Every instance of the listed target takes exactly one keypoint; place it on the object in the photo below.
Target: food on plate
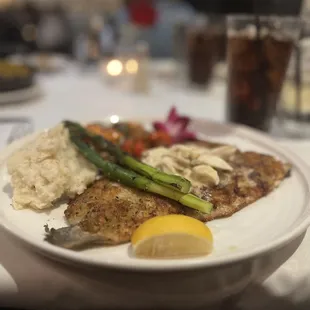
(109, 212)
(106, 204)
(48, 168)
(15, 76)
(172, 236)
(132, 172)
(247, 177)
(112, 192)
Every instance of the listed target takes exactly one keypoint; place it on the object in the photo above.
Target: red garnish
(176, 126)
(128, 146)
(134, 147)
(160, 137)
(139, 148)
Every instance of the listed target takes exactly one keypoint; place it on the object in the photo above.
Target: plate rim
(21, 95)
(189, 264)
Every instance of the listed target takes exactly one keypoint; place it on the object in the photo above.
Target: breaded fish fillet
(109, 212)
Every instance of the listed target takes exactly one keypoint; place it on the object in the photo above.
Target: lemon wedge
(172, 236)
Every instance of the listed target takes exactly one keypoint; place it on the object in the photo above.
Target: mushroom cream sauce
(198, 164)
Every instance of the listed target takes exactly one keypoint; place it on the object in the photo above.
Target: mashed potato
(47, 169)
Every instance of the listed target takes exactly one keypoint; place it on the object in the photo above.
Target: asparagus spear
(173, 181)
(132, 179)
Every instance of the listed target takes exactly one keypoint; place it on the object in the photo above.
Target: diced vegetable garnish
(108, 133)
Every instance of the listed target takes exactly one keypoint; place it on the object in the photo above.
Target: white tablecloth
(84, 96)
(27, 279)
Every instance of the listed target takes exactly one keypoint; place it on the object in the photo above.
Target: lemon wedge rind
(172, 236)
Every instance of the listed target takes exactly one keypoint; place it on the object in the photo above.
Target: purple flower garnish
(176, 126)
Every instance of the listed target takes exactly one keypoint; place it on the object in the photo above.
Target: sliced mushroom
(168, 165)
(182, 151)
(195, 154)
(157, 152)
(153, 156)
(187, 173)
(205, 174)
(224, 151)
(180, 160)
(213, 161)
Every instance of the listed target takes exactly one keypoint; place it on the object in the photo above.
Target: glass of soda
(259, 49)
(205, 40)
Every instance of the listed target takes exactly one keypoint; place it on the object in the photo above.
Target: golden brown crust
(115, 210)
(254, 176)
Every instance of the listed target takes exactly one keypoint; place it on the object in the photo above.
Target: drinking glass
(205, 38)
(294, 111)
(259, 49)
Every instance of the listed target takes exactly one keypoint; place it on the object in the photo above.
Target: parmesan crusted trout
(108, 212)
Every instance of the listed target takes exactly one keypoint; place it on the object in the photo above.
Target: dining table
(31, 281)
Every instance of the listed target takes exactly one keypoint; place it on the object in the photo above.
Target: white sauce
(198, 164)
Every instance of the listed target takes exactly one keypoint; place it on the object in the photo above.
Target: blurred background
(190, 45)
(56, 26)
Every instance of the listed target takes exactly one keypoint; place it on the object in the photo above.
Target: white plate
(53, 63)
(21, 95)
(266, 225)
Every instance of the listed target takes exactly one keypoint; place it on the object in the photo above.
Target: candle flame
(132, 66)
(114, 67)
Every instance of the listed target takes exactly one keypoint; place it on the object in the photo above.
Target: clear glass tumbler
(294, 110)
(259, 49)
(204, 48)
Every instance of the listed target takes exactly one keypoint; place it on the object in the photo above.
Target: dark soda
(201, 57)
(257, 69)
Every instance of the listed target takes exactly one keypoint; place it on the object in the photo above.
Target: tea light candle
(120, 71)
(140, 82)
